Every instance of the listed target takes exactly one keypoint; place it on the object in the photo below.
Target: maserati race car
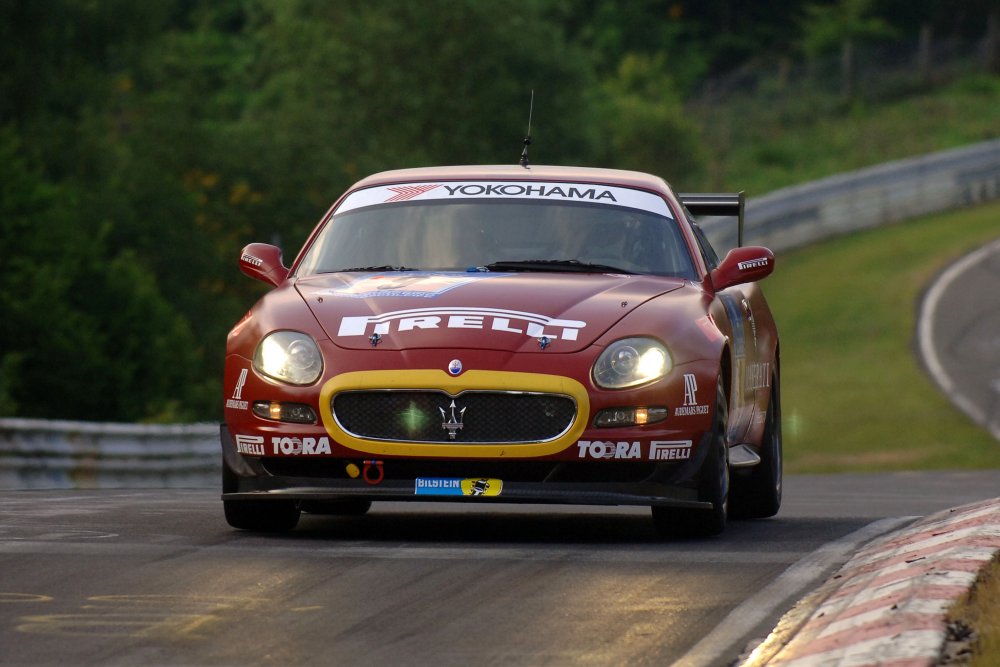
(507, 334)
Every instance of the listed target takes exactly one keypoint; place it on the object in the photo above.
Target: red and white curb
(887, 605)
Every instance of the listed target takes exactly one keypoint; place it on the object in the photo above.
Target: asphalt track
(959, 334)
(156, 577)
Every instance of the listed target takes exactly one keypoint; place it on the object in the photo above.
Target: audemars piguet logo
(690, 406)
(237, 402)
(453, 422)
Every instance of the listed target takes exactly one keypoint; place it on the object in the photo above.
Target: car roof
(621, 177)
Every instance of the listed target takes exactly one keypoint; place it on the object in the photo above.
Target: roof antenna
(527, 137)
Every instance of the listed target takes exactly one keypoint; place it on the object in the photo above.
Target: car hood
(494, 311)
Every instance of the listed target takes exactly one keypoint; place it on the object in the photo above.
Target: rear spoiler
(715, 203)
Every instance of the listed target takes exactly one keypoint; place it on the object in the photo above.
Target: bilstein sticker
(456, 486)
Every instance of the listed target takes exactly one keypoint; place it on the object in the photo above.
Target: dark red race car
(512, 334)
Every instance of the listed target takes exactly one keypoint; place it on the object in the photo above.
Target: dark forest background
(143, 144)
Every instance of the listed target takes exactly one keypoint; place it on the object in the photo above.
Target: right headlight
(289, 356)
(631, 361)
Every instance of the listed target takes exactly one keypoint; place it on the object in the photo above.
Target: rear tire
(713, 486)
(758, 494)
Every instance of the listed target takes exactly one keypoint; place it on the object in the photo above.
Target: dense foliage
(142, 144)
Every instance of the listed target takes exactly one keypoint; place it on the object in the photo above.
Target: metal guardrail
(889, 193)
(62, 454)
(44, 454)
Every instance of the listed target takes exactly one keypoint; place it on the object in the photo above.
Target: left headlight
(631, 361)
(289, 356)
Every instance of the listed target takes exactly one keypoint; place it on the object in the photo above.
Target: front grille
(477, 416)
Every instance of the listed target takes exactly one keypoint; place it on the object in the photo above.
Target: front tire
(758, 495)
(266, 516)
(713, 486)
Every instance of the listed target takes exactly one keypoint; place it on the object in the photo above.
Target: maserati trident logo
(452, 423)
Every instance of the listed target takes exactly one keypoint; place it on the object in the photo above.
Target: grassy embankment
(853, 393)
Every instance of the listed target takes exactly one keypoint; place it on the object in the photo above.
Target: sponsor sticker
(252, 259)
(757, 376)
(489, 319)
(691, 406)
(669, 450)
(250, 444)
(296, 446)
(707, 326)
(599, 449)
(409, 284)
(752, 263)
(237, 402)
(589, 193)
(457, 486)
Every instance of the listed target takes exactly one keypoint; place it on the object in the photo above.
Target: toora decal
(300, 446)
(598, 449)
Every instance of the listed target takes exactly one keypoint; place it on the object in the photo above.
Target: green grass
(853, 393)
(763, 143)
(979, 610)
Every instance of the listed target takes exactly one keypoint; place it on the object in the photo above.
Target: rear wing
(716, 203)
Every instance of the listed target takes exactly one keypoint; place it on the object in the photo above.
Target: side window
(707, 251)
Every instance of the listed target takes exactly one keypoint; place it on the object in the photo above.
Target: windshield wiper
(386, 267)
(553, 265)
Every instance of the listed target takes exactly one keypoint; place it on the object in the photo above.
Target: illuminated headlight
(289, 356)
(631, 361)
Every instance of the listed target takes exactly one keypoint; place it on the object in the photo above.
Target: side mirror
(263, 262)
(743, 265)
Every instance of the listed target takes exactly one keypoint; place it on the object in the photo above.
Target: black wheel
(346, 507)
(758, 494)
(270, 516)
(713, 486)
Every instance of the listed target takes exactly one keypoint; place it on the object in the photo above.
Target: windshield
(493, 234)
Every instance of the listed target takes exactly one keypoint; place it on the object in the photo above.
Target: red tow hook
(377, 476)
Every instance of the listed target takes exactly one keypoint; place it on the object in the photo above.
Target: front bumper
(421, 480)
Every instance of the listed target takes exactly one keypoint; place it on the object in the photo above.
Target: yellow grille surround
(437, 379)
